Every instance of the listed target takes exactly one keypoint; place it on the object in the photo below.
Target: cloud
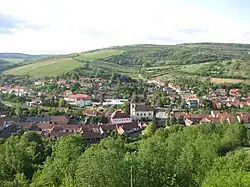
(65, 26)
(8, 23)
(191, 30)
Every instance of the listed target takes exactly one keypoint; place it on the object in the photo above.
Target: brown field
(222, 80)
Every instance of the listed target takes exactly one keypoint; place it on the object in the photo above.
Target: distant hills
(20, 56)
(196, 59)
(11, 60)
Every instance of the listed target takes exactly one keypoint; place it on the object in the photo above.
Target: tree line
(205, 155)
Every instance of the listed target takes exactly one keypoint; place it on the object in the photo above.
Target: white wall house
(120, 117)
(141, 111)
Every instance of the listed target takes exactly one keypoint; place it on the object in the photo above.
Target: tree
(125, 107)
(61, 102)
(18, 110)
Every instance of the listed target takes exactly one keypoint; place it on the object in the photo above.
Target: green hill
(201, 59)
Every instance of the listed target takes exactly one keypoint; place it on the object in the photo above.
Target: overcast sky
(65, 26)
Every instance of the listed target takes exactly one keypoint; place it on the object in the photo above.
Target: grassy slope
(98, 54)
(58, 66)
(204, 60)
(46, 68)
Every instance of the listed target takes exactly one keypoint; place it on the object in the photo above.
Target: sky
(67, 26)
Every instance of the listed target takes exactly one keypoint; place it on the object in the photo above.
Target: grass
(12, 60)
(98, 54)
(49, 68)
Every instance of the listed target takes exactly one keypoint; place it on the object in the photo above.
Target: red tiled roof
(143, 107)
(59, 119)
(179, 114)
(92, 134)
(234, 90)
(119, 114)
(44, 126)
(193, 116)
(127, 126)
(77, 96)
(244, 117)
(69, 126)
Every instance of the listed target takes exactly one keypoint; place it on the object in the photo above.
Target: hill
(20, 56)
(200, 59)
(10, 60)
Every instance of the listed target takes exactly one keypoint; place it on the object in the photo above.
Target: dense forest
(205, 155)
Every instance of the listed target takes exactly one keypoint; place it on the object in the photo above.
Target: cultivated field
(222, 80)
(50, 68)
(98, 54)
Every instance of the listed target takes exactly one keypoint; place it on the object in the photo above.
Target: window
(149, 114)
(141, 114)
(144, 114)
(137, 114)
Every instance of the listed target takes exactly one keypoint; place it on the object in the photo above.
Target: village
(103, 109)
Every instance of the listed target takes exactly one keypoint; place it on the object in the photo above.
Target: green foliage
(174, 156)
(204, 59)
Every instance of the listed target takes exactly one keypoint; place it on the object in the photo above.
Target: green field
(12, 60)
(206, 60)
(58, 66)
(98, 54)
(46, 68)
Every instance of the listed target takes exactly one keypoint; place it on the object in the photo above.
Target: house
(192, 101)
(176, 88)
(39, 83)
(93, 112)
(243, 117)
(216, 104)
(161, 114)
(83, 103)
(192, 119)
(92, 137)
(234, 92)
(228, 117)
(58, 119)
(68, 92)
(120, 117)
(140, 111)
(77, 99)
(28, 126)
(3, 124)
(127, 128)
(109, 102)
(61, 82)
(221, 92)
(210, 119)
(45, 127)
(18, 91)
(156, 82)
(34, 102)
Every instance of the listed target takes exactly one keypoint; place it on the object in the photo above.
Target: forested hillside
(203, 59)
(205, 155)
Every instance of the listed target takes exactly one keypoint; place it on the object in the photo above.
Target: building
(192, 119)
(192, 101)
(120, 117)
(77, 99)
(58, 119)
(141, 111)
